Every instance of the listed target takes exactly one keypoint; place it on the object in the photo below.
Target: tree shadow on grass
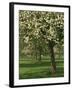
(35, 64)
(42, 74)
(38, 64)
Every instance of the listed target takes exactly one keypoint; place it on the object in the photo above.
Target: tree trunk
(59, 52)
(40, 53)
(53, 59)
(51, 47)
(35, 52)
(40, 56)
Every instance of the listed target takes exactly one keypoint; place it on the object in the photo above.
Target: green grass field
(30, 68)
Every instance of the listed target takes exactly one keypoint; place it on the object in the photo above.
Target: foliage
(39, 28)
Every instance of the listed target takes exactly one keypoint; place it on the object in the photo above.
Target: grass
(29, 68)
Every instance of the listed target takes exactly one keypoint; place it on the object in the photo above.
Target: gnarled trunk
(53, 59)
(52, 55)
